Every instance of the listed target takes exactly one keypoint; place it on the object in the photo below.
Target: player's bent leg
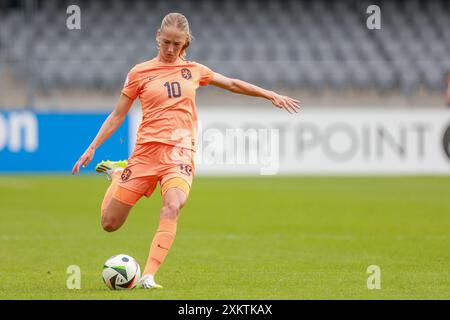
(174, 199)
(113, 170)
(115, 215)
(118, 208)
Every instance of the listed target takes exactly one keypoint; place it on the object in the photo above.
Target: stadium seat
(330, 39)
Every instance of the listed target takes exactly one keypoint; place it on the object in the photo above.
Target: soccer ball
(121, 272)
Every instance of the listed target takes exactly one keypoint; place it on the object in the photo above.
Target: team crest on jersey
(185, 169)
(125, 174)
(186, 73)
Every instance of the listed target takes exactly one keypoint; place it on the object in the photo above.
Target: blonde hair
(179, 21)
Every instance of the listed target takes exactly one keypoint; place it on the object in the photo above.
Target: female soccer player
(166, 139)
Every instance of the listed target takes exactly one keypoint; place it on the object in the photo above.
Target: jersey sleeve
(131, 86)
(206, 75)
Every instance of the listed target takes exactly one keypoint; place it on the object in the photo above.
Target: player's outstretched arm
(110, 125)
(242, 87)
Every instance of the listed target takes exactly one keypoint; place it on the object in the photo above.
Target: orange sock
(162, 241)
(109, 193)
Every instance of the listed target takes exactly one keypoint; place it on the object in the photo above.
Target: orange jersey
(167, 95)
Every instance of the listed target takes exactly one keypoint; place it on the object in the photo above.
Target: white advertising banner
(323, 141)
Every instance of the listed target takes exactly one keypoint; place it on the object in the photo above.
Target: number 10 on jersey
(173, 89)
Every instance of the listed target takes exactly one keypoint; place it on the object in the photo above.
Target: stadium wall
(330, 141)
(267, 142)
(51, 142)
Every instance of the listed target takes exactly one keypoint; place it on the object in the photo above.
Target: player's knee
(170, 210)
(110, 225)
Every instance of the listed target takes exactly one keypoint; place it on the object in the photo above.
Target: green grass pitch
(238, 238)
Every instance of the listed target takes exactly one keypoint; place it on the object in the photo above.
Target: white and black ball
(121, 272)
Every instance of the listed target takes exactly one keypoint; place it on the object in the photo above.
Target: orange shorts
(153, 162)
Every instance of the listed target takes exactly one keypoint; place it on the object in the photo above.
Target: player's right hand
(84, 160)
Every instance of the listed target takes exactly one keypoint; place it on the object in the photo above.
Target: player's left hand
(284, 102)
